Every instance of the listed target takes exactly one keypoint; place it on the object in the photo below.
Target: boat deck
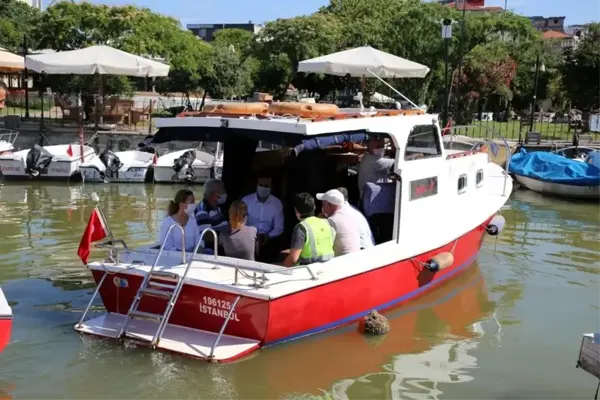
(178, 339)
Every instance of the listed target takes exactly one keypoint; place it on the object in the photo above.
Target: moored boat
(431, 220)
(6, 318)
(573, 172)
(59, 162)
(120, 166)
(189, 165)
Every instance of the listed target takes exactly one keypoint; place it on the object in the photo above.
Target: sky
(260, 11)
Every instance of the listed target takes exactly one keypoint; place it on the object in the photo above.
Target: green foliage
(496, 51)
(298, 39)
(16, 21)
(580, 71)
(226, 76)
(241, 40)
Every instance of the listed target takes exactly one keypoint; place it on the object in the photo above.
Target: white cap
(332, 196)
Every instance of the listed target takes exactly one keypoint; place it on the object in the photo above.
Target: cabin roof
(282, 126)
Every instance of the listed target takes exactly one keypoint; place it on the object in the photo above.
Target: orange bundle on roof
(236, 108)
(304, 110)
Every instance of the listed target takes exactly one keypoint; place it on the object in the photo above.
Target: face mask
(222, 199)
(189, 209)
(263, 192)
(379, 152)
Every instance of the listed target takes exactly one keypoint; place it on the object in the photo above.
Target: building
(207, 31)
(34, 3)
(558, 41)
(544, 24)
(577, 31)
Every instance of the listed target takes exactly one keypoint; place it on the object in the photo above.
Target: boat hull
(127, 174)
(5, 321)
(166, 174)
(5, 329)
(13, 165)
(559, 189)
(298, 314)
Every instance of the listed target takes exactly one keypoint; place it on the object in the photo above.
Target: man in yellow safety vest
(312, 238)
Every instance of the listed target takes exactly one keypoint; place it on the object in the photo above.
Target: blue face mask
(222, 199)
(263, 192)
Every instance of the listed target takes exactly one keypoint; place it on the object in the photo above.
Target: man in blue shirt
(208, 212)
(265, 212)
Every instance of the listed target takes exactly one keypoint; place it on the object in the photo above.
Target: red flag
(154, 159)
(70, 151)
(94, 231)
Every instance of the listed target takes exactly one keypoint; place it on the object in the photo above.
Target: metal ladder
(170, 293)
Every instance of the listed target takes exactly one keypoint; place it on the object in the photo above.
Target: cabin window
(479, 178)
(423, 142)
(462, 184)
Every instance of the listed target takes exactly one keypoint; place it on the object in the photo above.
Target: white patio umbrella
(360, 61)
(10, 62)
(101, 60)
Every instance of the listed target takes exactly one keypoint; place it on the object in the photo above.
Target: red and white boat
(220, 308)
(5, 321)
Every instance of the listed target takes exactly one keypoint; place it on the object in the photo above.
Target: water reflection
(542, 274)
(420, 334)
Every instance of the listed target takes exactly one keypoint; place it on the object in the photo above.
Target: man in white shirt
(343, 221)
(366, 236)
(265, 212)
(374, 166)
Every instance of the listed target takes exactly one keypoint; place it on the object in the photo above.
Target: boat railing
(489, 138)
(255, 271)
(8, 135)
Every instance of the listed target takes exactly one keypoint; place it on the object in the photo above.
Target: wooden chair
(69, 112)
(136, 115)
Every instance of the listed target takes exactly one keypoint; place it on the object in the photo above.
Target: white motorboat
(121, 166)
(189, 165)
(60, 162)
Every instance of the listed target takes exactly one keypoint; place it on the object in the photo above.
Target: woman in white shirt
(180, 211)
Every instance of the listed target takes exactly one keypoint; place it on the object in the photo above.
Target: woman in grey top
(239, 241)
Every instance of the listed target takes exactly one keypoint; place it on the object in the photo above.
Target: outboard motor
(183, 166)
(112, 164)
(38, 159)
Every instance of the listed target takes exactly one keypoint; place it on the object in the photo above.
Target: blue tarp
(554, 168)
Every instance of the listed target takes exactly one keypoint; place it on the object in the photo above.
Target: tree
(226, 76)
(240, 39)
(298, 38)
(580, 71)
(16, 21)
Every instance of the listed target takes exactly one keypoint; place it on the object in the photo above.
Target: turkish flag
(95, 230)
(70, 151)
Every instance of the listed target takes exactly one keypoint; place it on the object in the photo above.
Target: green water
(510, 327)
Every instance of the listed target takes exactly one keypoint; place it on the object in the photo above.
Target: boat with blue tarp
(572, 172)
